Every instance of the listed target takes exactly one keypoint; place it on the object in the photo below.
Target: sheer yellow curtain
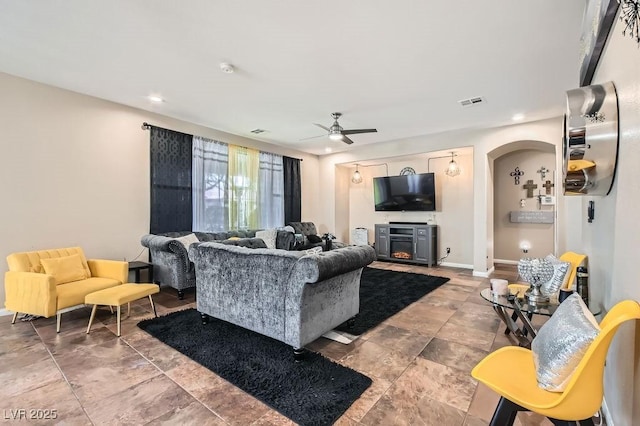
(243, 187)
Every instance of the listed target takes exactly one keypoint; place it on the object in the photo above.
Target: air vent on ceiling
(258, 131)
(472, 101)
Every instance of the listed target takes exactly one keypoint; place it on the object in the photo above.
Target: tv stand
(407, 242)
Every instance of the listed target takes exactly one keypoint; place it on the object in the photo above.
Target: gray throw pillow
(314, 239)
(562, 342)
(268, 236)
(559, 277)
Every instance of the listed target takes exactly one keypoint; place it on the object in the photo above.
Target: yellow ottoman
(118, 296)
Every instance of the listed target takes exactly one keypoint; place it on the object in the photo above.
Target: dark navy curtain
(171, 206)
(292, 190)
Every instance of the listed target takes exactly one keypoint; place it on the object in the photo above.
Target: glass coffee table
(521, 310)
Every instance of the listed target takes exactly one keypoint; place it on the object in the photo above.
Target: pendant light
(452, 169)
(357, 177)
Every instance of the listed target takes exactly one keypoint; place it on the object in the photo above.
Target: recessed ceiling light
(518, 117)
(328, 149)
(258, 131)
(154, 98)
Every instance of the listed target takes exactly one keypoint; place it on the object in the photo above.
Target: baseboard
(4, 312)
(456, 265)
(484, 274)
(606, 413)
(505, 261)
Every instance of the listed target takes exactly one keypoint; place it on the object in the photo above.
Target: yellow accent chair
(576, 260)
(51, 282)
(511, 373)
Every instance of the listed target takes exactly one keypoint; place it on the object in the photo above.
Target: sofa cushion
(65, 269)
(268, 236)
(187, 240)
(73, 293)
(252, 243)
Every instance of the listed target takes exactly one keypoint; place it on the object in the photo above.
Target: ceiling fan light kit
(337, 133)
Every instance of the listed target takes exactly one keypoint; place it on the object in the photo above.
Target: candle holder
(536, 272)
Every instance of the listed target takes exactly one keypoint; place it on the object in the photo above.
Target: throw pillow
(187, 240)
(562, 342)
(65, 269)
(268, 236)
(314, 250)
(314, 239)
(559, 277)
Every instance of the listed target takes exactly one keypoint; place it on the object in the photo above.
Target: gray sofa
(287, 295)
(307, 230)
(171, 265)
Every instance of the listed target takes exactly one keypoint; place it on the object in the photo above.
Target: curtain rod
(147, 126)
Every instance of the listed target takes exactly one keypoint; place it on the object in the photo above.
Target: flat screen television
(405, 193)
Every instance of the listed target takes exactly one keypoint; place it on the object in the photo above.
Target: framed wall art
(598, 21)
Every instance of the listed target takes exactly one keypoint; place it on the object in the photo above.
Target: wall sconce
(452, 170)
(525, 246)
(357, 177)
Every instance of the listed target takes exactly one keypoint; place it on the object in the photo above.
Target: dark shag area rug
(315, 391)
(385, 293)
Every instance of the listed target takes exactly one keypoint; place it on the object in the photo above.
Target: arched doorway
(525, 188)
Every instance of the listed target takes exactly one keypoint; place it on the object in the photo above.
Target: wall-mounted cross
(543, 172)
(547, 186)
(516, 175)
(530, 186)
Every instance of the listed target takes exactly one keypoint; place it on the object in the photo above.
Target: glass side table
(524, 311)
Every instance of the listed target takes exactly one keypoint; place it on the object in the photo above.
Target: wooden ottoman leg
(13, 321)
(153, 307)
(111, 309)
(128, 309)
(119, 320)
(93, 314)
(59, 317)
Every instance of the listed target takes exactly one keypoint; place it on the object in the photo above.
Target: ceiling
(400, 66)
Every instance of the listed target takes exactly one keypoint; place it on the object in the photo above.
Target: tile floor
(419, 361)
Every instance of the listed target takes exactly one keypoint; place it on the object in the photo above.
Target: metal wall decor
(530, 186)
(590, 140)
(407, 171)
(543, 172)
(516, 175)
(630, 17)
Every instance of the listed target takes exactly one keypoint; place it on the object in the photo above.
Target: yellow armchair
(30, 289)
(510, 372)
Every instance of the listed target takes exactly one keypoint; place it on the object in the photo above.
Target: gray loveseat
(171, 265)
(287, 295)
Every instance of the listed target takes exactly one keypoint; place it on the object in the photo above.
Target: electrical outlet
(448, 250)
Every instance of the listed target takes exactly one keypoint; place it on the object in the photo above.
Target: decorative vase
(536, 272)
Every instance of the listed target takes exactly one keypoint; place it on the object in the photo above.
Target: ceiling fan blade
(355, 131)
(321, 126)
(346, 140)
(313, 137)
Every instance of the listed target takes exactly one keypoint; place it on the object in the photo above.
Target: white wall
(486, 143)
(507, 196)
(611, 241)
(74, 170)
(454, 203)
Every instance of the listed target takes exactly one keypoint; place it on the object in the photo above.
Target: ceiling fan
(337, 133)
